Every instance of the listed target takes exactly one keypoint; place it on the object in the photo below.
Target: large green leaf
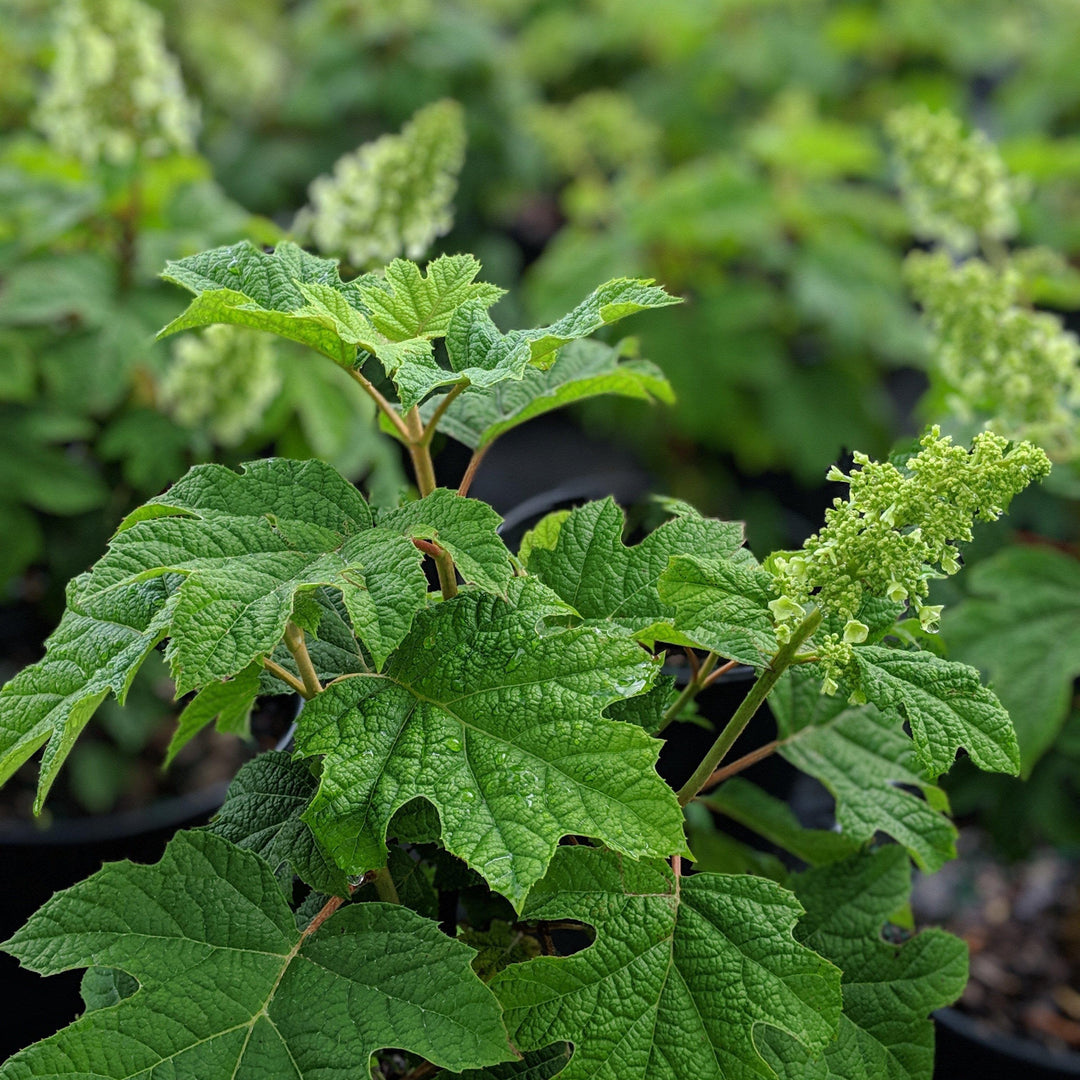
(868, 764)
(87, 657)
(251, 545)
(945, 704)
(264, 811)
(537, 1065)
(1021, 626)
(889, 989)
(582, 370)
(719, 604)
(497, 722)
(684, 977)
(584, 559)
(231, 990)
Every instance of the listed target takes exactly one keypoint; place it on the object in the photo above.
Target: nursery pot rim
(1023, 1050)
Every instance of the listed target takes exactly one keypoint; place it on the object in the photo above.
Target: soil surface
(1021, 922)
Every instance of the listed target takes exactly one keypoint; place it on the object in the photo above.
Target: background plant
(474, 769)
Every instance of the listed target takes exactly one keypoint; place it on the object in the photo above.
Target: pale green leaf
(593, 570)
(466, 528)
(582, 370)
(682, 980)
(1021, 626)
(407, 304)
(245, 286)
(496, 720)
(263, 812)
(228, 702)
(719, 604)
(889, 989)
(246, 544)
(774, 820)
(231, 990)
(945, 704)
(87, 657)
(647, 710)
(868, 764)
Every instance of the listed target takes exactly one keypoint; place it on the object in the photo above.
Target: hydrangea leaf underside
(682, 979)
(583, 369)
(227, 981)
(497, 722)
(889, 990)
(868, 764)
(587, 563)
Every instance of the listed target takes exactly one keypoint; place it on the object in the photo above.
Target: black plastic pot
(971, 1048)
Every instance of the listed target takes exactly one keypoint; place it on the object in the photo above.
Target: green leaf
(1021, 626)
(230, 990)
(647, 710)
(245, 286)
(888, 989)
(591, 568)
(246, 545)
(229, 703)
(263, 812)
(583, 369)
(774, 820)
(497, 722)
(945, 704)
(719, 604)
(406, 304)
(466, 528)
(682, 979)
(537, 1065)
(87, 657)
(868, 764)
(500, 945)
(102, 987)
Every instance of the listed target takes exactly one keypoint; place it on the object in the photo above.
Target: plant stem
(750, 705)
(388, 409)
(470, 471)
(420, 452)
(440, 411)
(294, 642)
(384, 886)
(744, 762)
(322, 915)
(690, 690)
(285, 676)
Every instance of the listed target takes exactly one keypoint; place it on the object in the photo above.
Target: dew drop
(468, 795)
(453, 744)
(429, 642)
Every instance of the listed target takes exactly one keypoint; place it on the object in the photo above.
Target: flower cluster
(222, 380)
(956, 187)
(390, 197)
(997, 357)
(114, 92)
(898, 528)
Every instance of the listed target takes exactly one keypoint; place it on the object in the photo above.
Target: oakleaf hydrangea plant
(468, 863)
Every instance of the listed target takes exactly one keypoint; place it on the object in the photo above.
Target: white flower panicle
(956, 187)
(390, 197)
(897, 529)
(998, 358)
(114, 92)
(222, 380)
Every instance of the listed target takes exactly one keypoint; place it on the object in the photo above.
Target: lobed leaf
(497, 722)
(263, 812)
(868, 764)
(945, 704)
(229, 703)
(229, 989)
(683, 979)
(583, 369)
(888, 989)
(719, 604)
(583, 558)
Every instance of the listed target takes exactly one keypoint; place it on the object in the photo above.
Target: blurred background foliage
(733, 149)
